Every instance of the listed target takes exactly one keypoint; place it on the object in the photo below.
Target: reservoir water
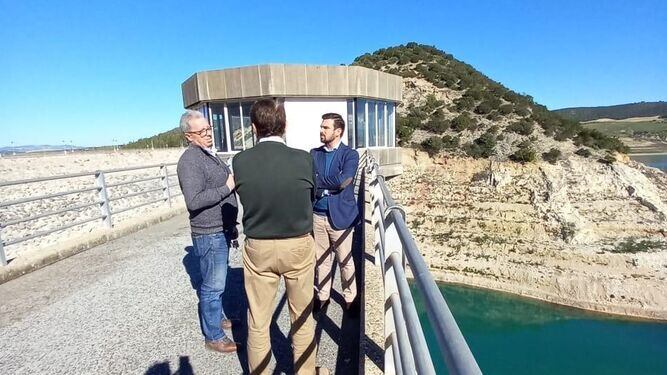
(657, 161)
(514, 335)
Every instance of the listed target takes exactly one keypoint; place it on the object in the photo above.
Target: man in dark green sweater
(276, 186)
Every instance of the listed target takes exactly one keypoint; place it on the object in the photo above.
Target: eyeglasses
(203, 132)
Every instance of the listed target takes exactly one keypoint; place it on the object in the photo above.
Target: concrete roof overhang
(283, 80)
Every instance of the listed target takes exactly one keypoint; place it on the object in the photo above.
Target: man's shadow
(234, 301)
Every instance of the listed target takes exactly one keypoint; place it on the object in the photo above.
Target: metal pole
(407, 361)
(166, 191)
(3, 256)
(453, 346)
(414, 328)
(105, 207)
(397, 359)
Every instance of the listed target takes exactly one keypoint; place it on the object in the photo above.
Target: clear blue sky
(92, 71)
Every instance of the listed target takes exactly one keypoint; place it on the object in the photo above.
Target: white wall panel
(304, 117)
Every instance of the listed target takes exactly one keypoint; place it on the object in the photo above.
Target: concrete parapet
(389, 160)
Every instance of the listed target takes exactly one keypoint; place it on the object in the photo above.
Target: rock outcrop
(579, 233)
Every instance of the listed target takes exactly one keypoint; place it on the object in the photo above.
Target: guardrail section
(110, 191)
(408, 352)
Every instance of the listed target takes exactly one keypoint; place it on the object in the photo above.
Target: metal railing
(408, 352)
(103, 200)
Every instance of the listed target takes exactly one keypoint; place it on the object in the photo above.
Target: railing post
(105, 207)
(3, 256)
(166, 191)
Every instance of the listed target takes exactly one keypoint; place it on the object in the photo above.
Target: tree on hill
(480, 99)
(171, 138)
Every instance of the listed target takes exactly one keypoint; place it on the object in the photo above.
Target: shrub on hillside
(474, 93)
(595, 139)
(432, 145)
(464, 103)
(523, 127)
(432, 103)
(493, 116)
(506, 109)
(522, 111)
(461, 122)
(584, 152)
(552, 156)
(483, 108)
(482, 147)
(608, 159)
(404, 128)
(524, 154)
(450, 143)
(436, 125)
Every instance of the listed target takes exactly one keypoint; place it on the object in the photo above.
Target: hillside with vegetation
(448, 105)
(573, 222)
(615, 112)
(171, 138)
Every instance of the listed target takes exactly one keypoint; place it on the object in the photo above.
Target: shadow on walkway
(163, 368)
(234, 301)
(235, 305)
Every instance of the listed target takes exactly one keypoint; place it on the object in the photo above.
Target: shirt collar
(327, 149)
(272, 138)
(207, 150)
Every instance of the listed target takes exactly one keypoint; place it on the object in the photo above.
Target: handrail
(80, 174)
(42, 197)
(392, 231)
(49, 213)
(168, 187)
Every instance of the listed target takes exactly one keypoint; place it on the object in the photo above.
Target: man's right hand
(231, 184)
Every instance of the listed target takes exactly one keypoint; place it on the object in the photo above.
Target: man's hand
(231, 184)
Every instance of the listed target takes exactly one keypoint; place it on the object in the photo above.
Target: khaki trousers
(264, 261)
(327, 242)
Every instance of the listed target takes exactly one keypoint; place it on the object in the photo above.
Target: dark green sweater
(276, 185)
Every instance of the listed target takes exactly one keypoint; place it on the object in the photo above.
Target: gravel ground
(128, 307)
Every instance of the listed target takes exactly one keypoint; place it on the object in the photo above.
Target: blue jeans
(213, 253)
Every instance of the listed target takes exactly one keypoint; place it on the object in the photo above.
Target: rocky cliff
(577, 232)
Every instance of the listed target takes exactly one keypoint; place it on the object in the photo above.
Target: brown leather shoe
(223, 346)
(226, 324)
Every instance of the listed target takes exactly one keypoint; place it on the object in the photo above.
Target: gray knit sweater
(212, 206)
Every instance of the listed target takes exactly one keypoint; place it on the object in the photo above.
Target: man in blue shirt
(335, 211)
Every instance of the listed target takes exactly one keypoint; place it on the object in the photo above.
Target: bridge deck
(129, 307)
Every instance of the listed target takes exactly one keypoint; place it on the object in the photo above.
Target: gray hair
(186, 117)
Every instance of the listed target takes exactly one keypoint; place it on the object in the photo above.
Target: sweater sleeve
(336, 181)
(192, 180)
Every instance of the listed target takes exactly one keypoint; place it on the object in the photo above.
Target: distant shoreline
(659, 153)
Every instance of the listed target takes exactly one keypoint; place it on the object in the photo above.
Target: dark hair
(339, 123)
(269, 119)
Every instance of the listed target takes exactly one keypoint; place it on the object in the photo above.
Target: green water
(657, 161)
(514, 335)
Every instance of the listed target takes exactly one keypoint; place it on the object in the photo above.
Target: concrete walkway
(129, 307)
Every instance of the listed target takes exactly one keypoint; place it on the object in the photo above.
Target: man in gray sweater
(207, 185)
